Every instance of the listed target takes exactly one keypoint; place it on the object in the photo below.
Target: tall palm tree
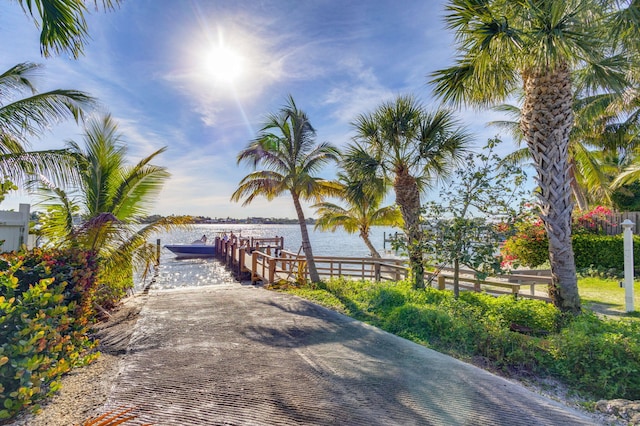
(413, 149)
(537, 44)
(112, 198)
(62, 23)
(286, 149)
(24, 117)
(362, 210)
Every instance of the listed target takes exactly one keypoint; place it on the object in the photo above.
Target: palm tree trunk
(367, 242)
(408, 198)
(306, 243)
(546, 122)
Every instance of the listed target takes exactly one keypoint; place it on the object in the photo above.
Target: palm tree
(362, 212)
(62, 23)
(537, 44)
(413, 149)
(112, 198)
(286, 148)
(22, 118)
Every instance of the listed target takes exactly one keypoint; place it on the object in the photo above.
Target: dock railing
(264, 259)
(496, 284)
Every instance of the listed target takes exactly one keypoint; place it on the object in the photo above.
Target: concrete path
(238, 355)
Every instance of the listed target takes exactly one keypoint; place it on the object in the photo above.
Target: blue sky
(200, 76)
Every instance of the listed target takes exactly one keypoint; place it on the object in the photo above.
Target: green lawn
(606, 296)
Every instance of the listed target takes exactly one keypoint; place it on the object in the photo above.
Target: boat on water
(192, 250)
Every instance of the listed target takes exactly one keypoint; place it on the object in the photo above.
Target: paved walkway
(238, 355)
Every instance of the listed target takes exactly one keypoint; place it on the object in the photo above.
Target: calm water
(176, 273)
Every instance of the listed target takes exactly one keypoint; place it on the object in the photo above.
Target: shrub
(529, 245)
(602, 251)
(599, 357)
(537, 315)
(45, 309)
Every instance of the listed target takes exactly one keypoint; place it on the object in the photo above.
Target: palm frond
(138, 186)
(263, 182)
(63, 27)
(32, 116)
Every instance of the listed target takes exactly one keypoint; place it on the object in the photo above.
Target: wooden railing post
(254, 266)
(158, 252)
(272, 270)
(241, 254)
(441, 285)
(376, 271)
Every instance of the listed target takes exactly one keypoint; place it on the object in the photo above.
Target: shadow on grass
(609, 309)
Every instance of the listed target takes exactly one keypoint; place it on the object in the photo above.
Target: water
(176, 273)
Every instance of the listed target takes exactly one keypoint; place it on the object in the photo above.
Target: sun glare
(224, 65)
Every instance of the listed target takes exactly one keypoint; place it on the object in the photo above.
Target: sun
(224, 64)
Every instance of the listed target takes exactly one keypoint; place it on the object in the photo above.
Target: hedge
(46, 306)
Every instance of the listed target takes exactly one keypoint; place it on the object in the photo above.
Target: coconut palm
(536, 45)
(25, 117)
(286, 149)
(112, 198)
(413, 149)
(62, 23)
(362, 210)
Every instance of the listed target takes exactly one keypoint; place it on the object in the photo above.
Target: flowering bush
(592, 221)
(530, 247)
(45, 309)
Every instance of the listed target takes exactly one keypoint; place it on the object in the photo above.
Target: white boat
(192, 250)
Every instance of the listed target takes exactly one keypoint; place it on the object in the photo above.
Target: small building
(14, 228)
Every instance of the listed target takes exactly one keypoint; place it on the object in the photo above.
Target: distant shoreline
(202, 220)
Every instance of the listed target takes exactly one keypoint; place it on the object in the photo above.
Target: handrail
(269, 264)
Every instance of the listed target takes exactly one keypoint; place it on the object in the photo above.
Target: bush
(602, 251)
(529, 246)
(537, 315)
(45, 309)
(599, 357)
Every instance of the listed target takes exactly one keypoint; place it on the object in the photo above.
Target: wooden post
(158, 252)
(241, 254)
(272, 270)
(376, 272)
(254, 266)
(234, 250)
(441, 285)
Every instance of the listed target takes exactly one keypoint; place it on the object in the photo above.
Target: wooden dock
(265, 260)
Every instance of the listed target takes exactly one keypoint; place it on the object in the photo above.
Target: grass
(606, 296)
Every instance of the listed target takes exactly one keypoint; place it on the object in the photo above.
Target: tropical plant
(537, 44)
(112, 199)
(601, 147)
(62, 23)
(286, 148)
(24, 117)
(472, 215)
(413, 149)
(362, 210)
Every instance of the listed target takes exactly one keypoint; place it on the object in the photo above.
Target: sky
(200, 76)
